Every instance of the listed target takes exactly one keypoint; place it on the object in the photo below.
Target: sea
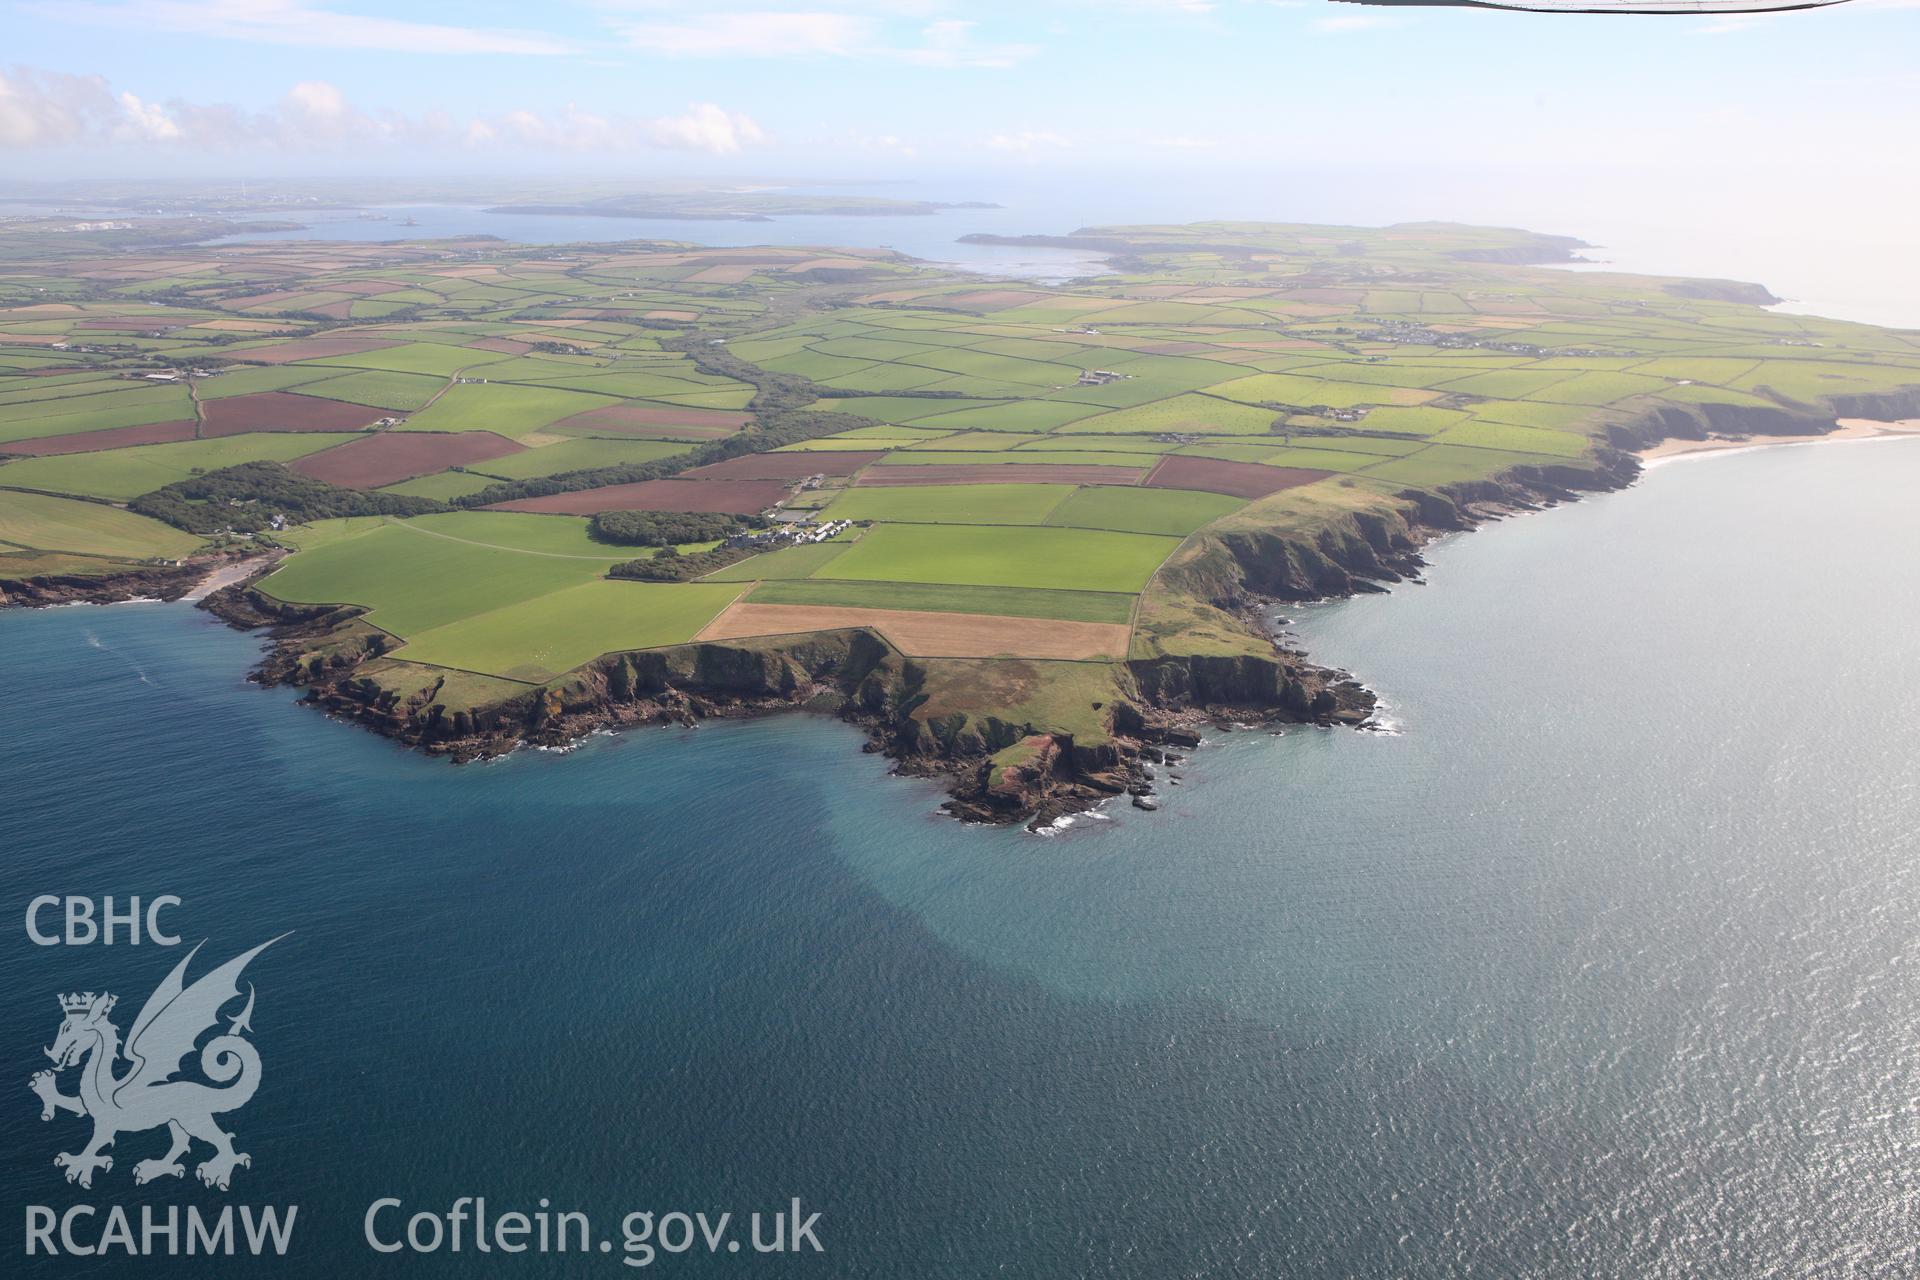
(1848, 258)
(1599, 961)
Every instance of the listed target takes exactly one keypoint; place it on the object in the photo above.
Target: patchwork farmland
(1029, 492)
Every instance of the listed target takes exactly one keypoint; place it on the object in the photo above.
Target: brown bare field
(261, 299)
(670, 315)
(313, 349)
(390, 457)
(1000, 473)
(129, 322)
(732, 273)
(731, 497)
(643, 422)
(995, 299)
(786, 466)
(819, 264)
(283, 411)
(1234, 479)
(928, 634)
(236, 325)
(111, 438)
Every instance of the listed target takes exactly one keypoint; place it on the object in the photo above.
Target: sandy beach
(226, 575)
(1849, 429)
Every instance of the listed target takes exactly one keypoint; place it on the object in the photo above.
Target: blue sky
(908, 88)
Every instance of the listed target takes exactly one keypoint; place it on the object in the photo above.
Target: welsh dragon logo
(146, 1095)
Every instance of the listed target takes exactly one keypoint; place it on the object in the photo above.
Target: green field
(502, 408)
(951, 503)
(787, 562)
(1166, 511)
(94, 413)
(997, 556)
(44, 523)
(414, 357)
(401, 392)
(413, 581)
(124, 474)
(539, 639)
(1188, 414)
(521, 531)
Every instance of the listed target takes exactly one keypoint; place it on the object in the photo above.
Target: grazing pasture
(1003, 556)
(502, 408)
(996, 473)
(41, 522)
(731, 497)
(1141, 510)
(538, 639)
(124, 474)
(950, 504)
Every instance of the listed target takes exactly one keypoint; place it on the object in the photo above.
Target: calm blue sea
(1603, 965)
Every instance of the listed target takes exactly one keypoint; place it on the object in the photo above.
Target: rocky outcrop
(157, 582)
(1742, 291)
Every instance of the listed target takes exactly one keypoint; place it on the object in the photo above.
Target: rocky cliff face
(160, 582)
(998, 770)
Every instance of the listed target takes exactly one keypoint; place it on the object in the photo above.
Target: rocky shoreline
(157, 582)
(996, 772)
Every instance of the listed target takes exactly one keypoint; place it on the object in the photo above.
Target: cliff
(1005, 751)
(145, 582)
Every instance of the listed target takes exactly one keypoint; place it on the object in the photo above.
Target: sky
(906, 88)
(1776, 148)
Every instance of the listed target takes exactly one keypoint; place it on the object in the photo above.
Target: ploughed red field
(392, 456)
(999, 473)
(111, 438)
(1234, 479)
(653, 422)
(785, 466)
(730, 497)
(284, 411)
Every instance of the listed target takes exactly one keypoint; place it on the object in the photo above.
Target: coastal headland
(479, 495)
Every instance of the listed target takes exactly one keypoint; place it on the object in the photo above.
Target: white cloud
(148, 121)
(750, 35)
(706, 127)
(297, 22)
(766, 33)
(45, 109)
(1026, 141)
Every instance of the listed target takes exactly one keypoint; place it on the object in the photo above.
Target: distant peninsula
(754, 207)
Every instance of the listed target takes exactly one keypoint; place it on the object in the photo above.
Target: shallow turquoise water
(1602, 965)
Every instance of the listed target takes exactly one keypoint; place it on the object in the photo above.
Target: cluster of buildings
(789, 536)
(1099, 377)
(1402, 331)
